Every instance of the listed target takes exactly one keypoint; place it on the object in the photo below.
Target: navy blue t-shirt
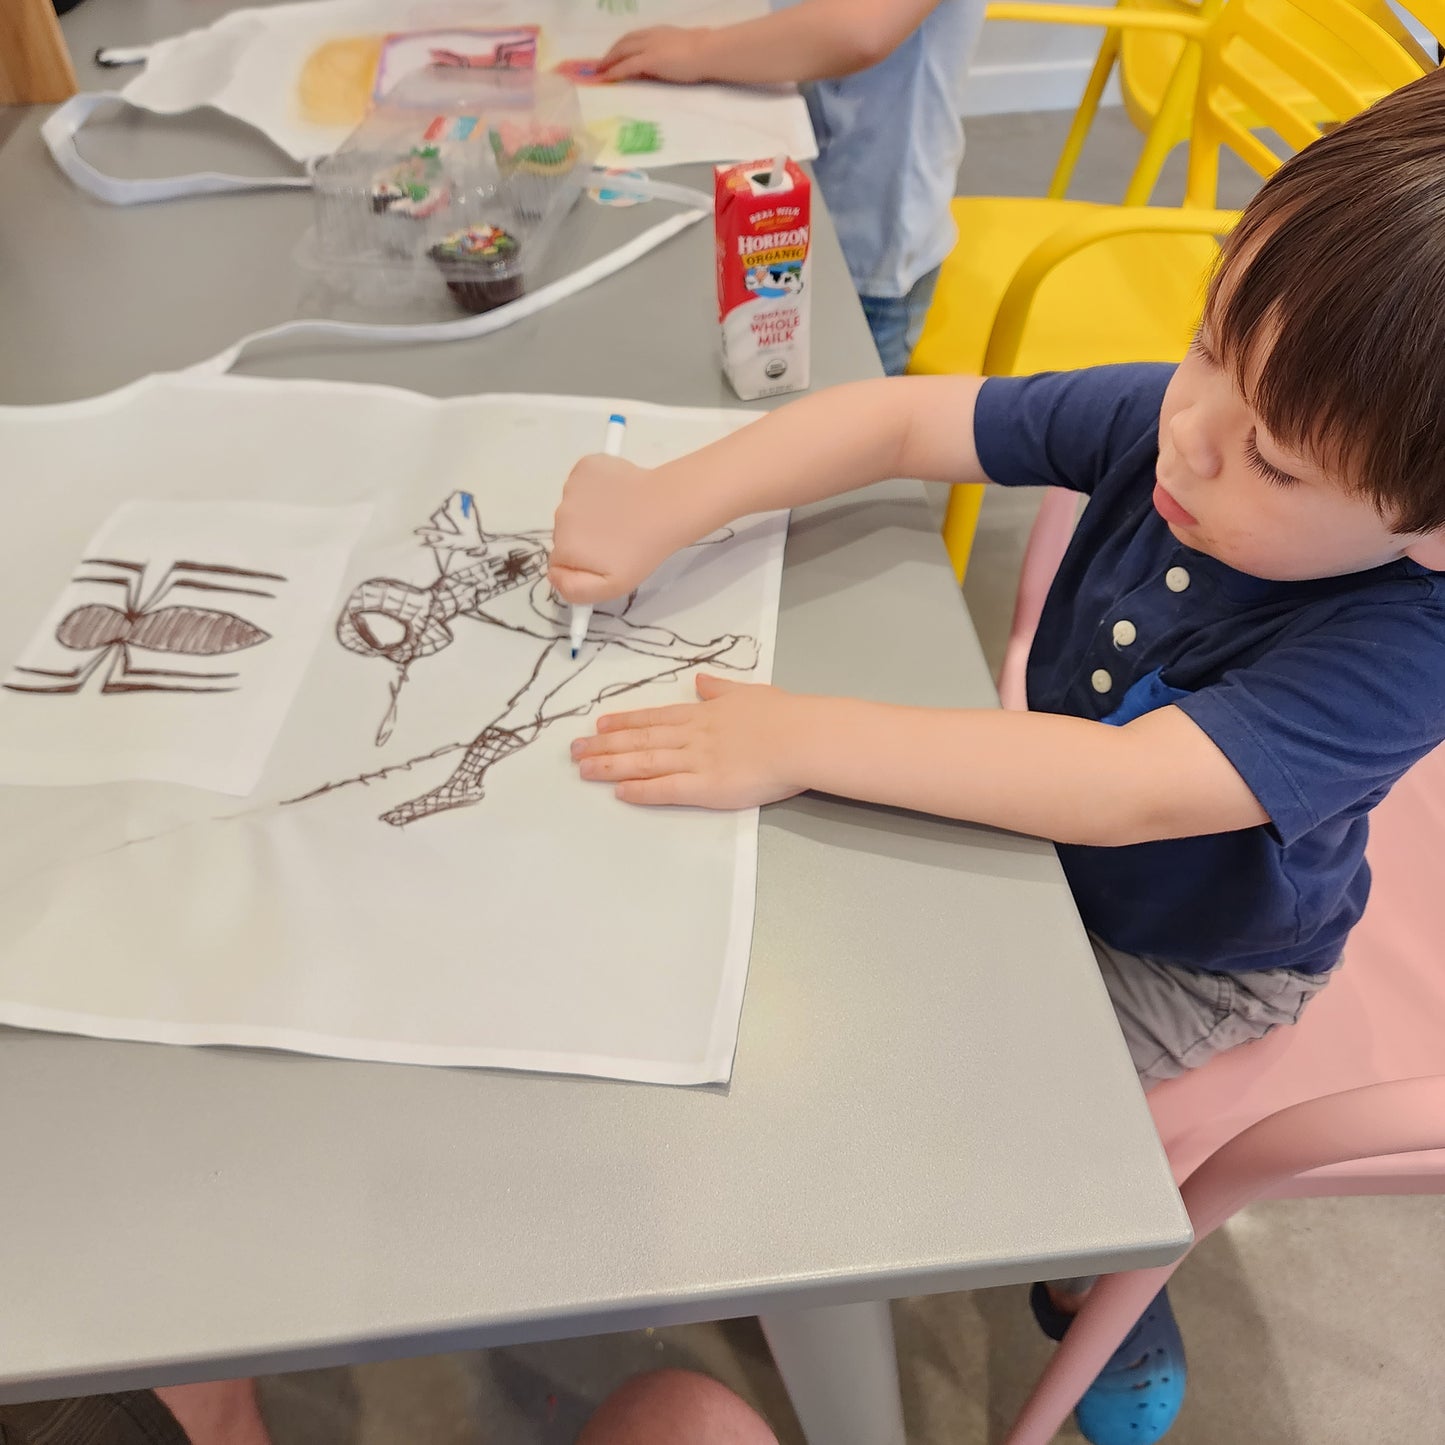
(1321, 693)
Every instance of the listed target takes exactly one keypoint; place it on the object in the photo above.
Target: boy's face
(1228, 489)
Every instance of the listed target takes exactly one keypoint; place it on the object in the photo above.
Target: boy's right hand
(612, 530)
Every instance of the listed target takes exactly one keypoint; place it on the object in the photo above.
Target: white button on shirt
(1124, 632)
(1101, 681)
(1176, 579)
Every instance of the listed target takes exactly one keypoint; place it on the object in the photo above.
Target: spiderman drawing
(500, 580)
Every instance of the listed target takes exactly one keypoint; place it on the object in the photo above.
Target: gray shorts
(1175, 1019)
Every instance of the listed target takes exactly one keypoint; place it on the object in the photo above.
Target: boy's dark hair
(1329, 304)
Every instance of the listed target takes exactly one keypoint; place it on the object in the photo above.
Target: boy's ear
(1429, 551)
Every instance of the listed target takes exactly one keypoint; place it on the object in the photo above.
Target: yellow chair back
(1254, 68)
(1149, 43)
(1147, 57)
(1046, 284)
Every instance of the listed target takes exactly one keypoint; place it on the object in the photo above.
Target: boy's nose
(1193, 441)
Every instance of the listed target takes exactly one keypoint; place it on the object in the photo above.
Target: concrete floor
(1308, 1323)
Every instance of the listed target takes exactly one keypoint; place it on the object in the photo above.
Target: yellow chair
(1047, 284)
(1147, 60)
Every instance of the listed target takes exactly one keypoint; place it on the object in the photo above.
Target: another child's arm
(814, 40)
(1064, 778)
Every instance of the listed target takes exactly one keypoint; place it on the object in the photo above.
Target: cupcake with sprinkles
(482, 266)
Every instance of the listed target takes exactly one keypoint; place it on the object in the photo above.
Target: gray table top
(930, 1092)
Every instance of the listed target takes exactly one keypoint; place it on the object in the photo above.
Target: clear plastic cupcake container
(459, 178)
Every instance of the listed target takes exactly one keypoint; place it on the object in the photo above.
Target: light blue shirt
(890, 143)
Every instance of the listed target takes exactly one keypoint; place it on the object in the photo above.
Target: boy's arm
(814, 40)
(1063, 778)
(618, 521)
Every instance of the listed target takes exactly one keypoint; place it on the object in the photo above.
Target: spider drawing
(500, 580)
(142, 624)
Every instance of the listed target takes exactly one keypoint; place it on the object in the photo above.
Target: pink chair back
(1381, 1019)
(1048, 541)
(1314, 1109)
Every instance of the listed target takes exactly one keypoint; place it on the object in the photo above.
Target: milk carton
(762, 224)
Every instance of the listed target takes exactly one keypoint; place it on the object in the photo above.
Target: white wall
(1415, 27)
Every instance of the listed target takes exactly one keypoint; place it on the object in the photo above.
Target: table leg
(841, 1370)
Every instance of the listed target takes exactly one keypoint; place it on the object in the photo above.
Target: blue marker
(612, 447)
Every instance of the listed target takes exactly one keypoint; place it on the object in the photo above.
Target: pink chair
(1351, 1100)
(1048, 541)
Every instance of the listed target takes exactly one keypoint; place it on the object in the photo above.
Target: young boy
(1243, 650)
(885, 97)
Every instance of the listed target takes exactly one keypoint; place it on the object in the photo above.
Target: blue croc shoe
(1138, 1394)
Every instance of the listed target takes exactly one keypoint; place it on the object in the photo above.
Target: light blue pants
(897, 322)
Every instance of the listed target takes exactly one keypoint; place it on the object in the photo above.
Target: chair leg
(1401, 1117)
(1109, 1313)
(1201, 178)
(1171, 125)
(960, 523)
(1084, 117)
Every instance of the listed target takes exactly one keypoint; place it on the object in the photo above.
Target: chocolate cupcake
(482, 266)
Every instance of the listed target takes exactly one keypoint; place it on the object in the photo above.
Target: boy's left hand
(660, 52)
(739, 747)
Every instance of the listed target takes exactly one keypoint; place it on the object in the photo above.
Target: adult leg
(219, 1412)
(675, 1407)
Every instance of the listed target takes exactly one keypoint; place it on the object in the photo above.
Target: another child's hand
(661, 52)
(611, 531)
(739, 747)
